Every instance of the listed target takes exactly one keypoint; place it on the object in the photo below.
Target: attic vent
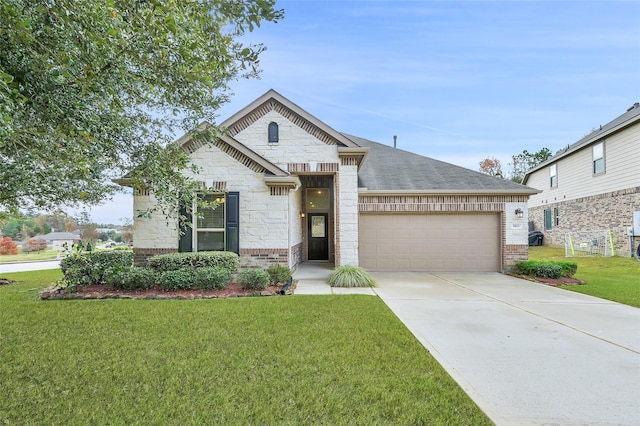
(273, 132)
(636, 105)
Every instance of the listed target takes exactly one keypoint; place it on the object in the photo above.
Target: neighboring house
(57, 240)
(594, 184)
(293, 189)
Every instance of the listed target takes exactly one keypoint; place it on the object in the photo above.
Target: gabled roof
(274, 101)
(57, 236)
(392, 170)
(630, 117)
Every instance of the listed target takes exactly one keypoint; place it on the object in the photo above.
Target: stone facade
(610, 211)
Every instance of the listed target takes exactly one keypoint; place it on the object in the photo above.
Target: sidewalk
(312, 279)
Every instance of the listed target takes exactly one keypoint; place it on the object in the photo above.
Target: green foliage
(85, 268)
(90, 90)
(130, 278)
(166, 362)
(525, 161)
(181, 279)
(205, 259)
(547, 269)
(215, 278)
(612, 278)
(279, 274)
(255, 279)
(351, 276)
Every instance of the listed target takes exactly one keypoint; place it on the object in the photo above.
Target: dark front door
(318, 236)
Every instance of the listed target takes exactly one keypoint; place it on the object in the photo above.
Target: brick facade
(611, 211)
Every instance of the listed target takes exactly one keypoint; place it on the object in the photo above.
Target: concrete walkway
(312, 279)
(526, 353)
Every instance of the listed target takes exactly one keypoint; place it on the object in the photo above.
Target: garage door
(429, 242)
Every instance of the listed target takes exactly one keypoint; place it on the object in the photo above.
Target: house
(592, 185)
(293, 190)
(57, 240)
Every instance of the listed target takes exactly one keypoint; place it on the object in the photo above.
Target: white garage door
(429, 242)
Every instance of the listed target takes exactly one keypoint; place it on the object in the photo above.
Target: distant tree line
(519, 166)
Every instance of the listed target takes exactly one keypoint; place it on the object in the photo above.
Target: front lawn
(612, 278)
(264, 360)
(30, 257)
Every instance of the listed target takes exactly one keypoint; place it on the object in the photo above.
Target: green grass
(29, 257)
(612, 278)
(272, 360)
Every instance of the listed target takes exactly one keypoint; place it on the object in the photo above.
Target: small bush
(548, 270)
(130, 278)
(182, 279)
(351, 276)
(534, 268)
(208, 259)
(253, 279)
(279, 274)
(215, 278)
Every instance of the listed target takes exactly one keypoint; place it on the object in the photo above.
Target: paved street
(29, 266)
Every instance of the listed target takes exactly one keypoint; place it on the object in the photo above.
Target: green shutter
(548, 224)
(233, 222)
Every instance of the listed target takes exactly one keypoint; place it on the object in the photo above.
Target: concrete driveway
(528, 354)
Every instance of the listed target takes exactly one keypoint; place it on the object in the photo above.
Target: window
(209, 226)
(548, 224)
(318, 199)
(556, 216)
(598, 158)
(274, 137)
(213, 229)
(553, 176)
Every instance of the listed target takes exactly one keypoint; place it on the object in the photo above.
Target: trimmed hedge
(215, 278)
(131, 278)
(546, 269)
(181, 279)
(208, 259)
(86, 268)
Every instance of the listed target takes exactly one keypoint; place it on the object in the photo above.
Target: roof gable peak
(273, 101)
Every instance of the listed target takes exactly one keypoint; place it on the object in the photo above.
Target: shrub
(548, 270)
(181, 279)
(536, 267)
(255, 279)
(351, 276)
(85, 268)
(215, 278)
(279, 274)
(130, 278)
(207, 259)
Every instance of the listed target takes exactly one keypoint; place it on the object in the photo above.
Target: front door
(318, 236)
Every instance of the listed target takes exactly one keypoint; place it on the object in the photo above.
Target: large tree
(525, 161)
(93, 89)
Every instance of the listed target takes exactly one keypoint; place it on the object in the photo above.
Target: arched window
(273, 132)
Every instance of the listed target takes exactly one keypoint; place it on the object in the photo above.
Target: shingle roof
(60, 236)
(389, 169)
(631, 116)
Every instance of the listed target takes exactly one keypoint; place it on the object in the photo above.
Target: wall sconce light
(301, 214)
(519, 213)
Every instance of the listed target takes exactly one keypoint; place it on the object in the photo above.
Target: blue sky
(455, 81)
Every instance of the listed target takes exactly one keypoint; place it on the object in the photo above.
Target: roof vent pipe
(395, 139)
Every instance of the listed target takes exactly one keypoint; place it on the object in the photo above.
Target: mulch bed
(233, 290)
(554, 282)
